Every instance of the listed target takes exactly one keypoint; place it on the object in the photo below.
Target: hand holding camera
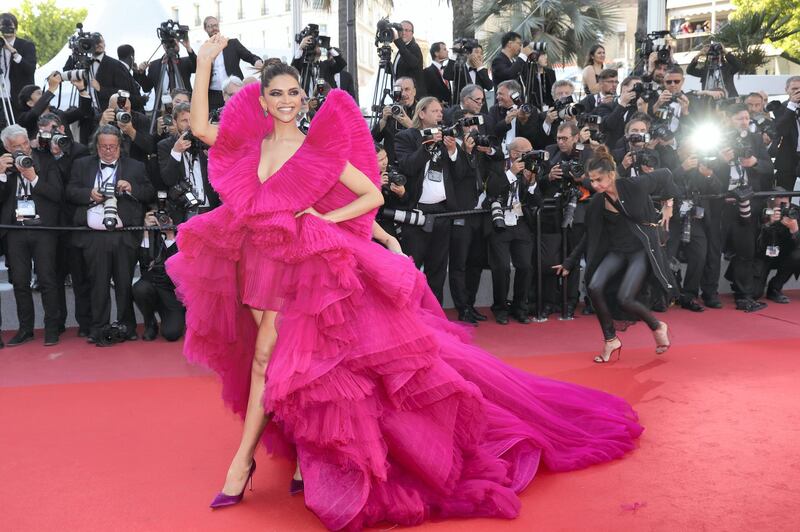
(124, 187)
(96, 196)
(6, 162)
(627, 161)
(449, 143)
(556, 172)
(511, 115)
(182, 144)
(517, 166)
(54, 81)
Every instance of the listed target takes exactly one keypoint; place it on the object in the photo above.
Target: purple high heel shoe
(222, 500)
(296, 486)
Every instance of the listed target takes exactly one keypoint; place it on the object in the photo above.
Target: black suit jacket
(235, 52)
(388, 134)
(481, 78)
(186, 67)
(787, 158)
(327, 68)
(546, 88)
(21, 74)
(46, 195)
(112, 75)
(131, 211)
(173, 171)
(413, 156)
(435, 84)
(504, 69)
(529, 130)
(728, 69)
(408, 63)
(346, 84)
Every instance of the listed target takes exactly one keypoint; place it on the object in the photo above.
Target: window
(176, 14)
(197, 20)
(219, 11)
(264, 8)
(317, 4)
(240, 12)
(288, 5)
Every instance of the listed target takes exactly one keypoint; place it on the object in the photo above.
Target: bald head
(520, 144)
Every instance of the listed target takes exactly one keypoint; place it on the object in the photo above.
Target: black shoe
(62, 328)
(522, 317)
(477, 315)
(712, 301)
(2, 345)
(20, 338)
(689, 303)
(151, 332)
(51, 338)
(749, 305)
(91, 339)
(570, 312)
(501, 318)
(132, 337)
(83, 332)
(778, 297)
(463, 315)
(587, 310)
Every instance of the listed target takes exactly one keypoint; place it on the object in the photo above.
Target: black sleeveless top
(619, 235)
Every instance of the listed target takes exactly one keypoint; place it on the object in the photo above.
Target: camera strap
(100, 182)
(198, 188)
(23, 188)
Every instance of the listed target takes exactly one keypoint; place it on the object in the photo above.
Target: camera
(110, 212)
(464, 45)
(122, 116)
(786, 210)
(182, 196)
(457, 129)
(484, 141)
(571, 169)
(592, 122)
(497, 215)
(197, 144)
(83, 43)
(111, 334)
(645, 157)
(7, 26)
(48, 138)
(170, 32)
(662, 131)
(715, 51)
(537, 49)
(646, 91)
(318, 40)
(763, 125)
(533, 159)
(22, 160)
(428, 133)
(384, 33)
(215, 116)
(647, 45)
(413, 217)
(740, 143)
(75, 75)
(168, 120)
(161, 214)
(638, 138)
(519, 102)
(567, 108)
(395, 177)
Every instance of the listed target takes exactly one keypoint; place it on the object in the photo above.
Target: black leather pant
(635, 268)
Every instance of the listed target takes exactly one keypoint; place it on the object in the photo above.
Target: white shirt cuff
(453, 156)
(791, 106)
(33, 183)
(532, 188)
(334, 53)
(16, 58)
(168, 243)
(546, 128)
(298, 53)
(3, 178)
(492, 151)
(523, 56)
(175, 155)
(512, 178)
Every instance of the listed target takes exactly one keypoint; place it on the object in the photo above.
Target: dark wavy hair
(592, 50)
(274, 67)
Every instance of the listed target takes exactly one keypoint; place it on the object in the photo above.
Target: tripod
(5, 96)
(309, 73)
(169, 68)
(384, 82)
(460, 75)
(534, 83)
(714, 76)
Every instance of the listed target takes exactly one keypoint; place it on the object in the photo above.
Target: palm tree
(569, 27)
(746, 31)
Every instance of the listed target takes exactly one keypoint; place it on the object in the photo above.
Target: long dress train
(393, 414)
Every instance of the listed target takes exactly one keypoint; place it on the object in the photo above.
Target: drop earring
(266, 113)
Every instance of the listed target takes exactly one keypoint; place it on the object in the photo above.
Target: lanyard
(23, 188)
(110, 179)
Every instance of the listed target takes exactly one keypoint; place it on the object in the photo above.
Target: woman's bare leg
(255, 419)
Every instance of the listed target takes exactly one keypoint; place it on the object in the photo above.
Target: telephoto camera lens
(498, 218)
(413, 217)
(109, 206)
(22, 160)
(74, 75)
(60, 140)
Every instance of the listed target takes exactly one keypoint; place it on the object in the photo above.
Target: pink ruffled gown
(394, 416)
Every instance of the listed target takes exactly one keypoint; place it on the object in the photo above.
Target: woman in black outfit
(622, 240)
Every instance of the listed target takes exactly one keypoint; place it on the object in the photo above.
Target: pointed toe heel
(222, 500)
(616, 352)
(296, 486)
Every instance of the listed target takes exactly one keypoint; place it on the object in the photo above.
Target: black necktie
(103, 166)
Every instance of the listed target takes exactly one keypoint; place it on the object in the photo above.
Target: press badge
(510, 218)
(773, 251)
(516, 208)
(434, 176)
(26, 209)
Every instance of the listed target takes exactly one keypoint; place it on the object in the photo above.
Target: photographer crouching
(778, 248)
(511, 191)
(434, 166)
(109, 190)
(154, 292)
(183, 164)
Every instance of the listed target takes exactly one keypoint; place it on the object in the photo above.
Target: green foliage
(790, 44)
(747, 30)
(47, 25)
(569, 27)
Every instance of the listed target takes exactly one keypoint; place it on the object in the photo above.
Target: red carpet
(132, 438)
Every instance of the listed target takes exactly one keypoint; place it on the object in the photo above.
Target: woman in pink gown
(392, 414)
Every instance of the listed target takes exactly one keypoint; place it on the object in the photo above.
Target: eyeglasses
(563, 139)
(672, 81)
(477, 100)
(108, 147)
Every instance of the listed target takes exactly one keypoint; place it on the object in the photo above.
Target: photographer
(787, 126)
(35, 103)
(408, 60)
(395, 117)
(69, 258)
(510, 118)
(183, 164)
(108, 76)
(309, 56)
(760, 118)
(127, 56)
(109, 190)
(717, 69)
(434, 166)
(607, 80)
(175, 65)
(778, 248)
(17, 65)
(563, 178)
(155, 291)
(165, 126)
(435, 82)
(393, 188)
(473, 71)
(688, 227)
(467, 236)
(743, 166)
(641, 151)
(672, 107)
(508, 65)
(563, 109)
(630, 101)
(510, 191)
(30, 194)
(226, 64)
(137, 141)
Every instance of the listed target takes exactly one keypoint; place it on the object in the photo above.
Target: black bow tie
(103, 166)
(95, 60)
(473, 69)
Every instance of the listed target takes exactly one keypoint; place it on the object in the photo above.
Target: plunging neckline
(282, 166)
